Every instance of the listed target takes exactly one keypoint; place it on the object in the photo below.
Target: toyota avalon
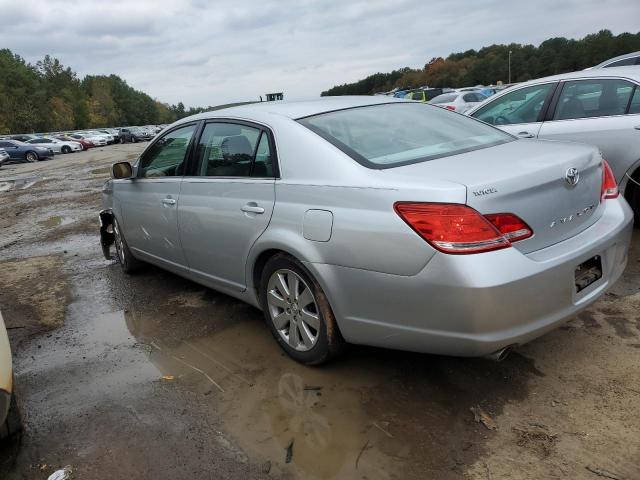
(374, 221)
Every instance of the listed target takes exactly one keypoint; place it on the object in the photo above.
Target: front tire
(298, 312)
(66, 149)
(127, 261)
(32, 157)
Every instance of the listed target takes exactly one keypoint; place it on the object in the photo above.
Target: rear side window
(593, 98)
(634, 106)
(519, 106)
(390, 135)
(233, 150)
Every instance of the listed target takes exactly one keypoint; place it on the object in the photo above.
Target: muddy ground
(152, 376)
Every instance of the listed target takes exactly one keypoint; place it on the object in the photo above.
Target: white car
(619, 61)
(96, 140)
(458, 101)
(599, 107)
(108, 137)
(4, 156)
(58, 146)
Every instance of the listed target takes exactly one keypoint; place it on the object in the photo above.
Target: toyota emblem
(572, 176)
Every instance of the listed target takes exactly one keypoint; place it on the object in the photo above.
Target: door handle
(637, 127)
(252, 208)
(525, 135)
(168, 201)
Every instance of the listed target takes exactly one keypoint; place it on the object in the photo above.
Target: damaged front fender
(106, 232)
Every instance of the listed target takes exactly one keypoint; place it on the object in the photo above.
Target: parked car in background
(20, 151)
(472, 223)
(97, 141)
(86, 144)
(600, 107)
(58, 146)
(95, 133)
(22, 138)
(4, 156)
(424, 95)
(10, 422)
(626, 60)
(458, 101)
(134, 134)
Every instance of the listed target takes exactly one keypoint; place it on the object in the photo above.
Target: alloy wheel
(293, 309)
(32, 157)
(118, 242)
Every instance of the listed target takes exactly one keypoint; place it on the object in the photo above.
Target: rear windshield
(394, 134)
(446, 98)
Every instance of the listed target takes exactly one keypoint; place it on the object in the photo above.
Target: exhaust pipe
(500, 355)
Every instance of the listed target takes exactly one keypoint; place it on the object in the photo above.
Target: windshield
(389, 135)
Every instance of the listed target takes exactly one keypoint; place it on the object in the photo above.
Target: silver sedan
(374, 221)
(58, 146)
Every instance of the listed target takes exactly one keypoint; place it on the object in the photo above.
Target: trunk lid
(529, 179)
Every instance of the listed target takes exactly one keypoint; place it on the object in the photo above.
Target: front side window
(519, 106)
(593, 98)
(233, 150)
(166, 157)
(390, 135)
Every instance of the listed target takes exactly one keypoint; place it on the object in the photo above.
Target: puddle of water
(18, 183)
(268, 403)
(55, 221)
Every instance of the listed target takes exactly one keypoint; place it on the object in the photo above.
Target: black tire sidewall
(130, 264)
(26, 157)
(321, 351)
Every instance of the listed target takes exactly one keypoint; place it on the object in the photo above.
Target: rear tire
(289, 292)
(13, 423)
(127, 261)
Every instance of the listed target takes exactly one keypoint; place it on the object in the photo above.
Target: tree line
(490, 64)
(48, 97)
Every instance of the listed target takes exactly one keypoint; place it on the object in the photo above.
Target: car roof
(631, 71)
(615, 59)
(262, 111)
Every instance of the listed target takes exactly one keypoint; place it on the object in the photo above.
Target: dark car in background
(134, 134)
(20, 152)
(424, 94)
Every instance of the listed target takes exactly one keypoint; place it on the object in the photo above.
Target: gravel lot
(152, 376)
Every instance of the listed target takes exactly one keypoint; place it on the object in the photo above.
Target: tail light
(609, 185)
(511, 226)
(450, 107)
(459, 229)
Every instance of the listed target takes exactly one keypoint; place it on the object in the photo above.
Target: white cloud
(205, 53)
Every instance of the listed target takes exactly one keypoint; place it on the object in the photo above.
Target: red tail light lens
(452, 228)
(510, 225)
(609, 184)
(450, 107)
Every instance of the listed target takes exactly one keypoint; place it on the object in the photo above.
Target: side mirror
(122, 170)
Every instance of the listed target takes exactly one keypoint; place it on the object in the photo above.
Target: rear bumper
(473, 305)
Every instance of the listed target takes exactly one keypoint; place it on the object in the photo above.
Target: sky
(212, 52)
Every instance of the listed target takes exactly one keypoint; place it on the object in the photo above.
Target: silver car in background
(374, 221)
(58, 146)
(458, 102)
(625, 60)
(597, 107)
